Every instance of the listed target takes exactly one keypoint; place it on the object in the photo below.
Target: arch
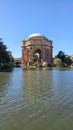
(37, 55)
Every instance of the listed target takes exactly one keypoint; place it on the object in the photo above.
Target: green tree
(64, 58)
(68, 61)
(57, 61)
(4, 57)
(61, 56)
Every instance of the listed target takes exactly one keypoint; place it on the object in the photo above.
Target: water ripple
(32, 100)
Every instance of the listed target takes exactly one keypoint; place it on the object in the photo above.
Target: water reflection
(36, 87)
(4, 83)
(35, 100)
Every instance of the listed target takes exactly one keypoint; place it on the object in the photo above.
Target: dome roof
(34, 35)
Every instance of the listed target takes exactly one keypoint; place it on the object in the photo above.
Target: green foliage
(4, 57)
(5, 60)
(66, 61)
(57, 62)
(61, 55)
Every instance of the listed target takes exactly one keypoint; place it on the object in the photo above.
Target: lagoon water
(36, 100)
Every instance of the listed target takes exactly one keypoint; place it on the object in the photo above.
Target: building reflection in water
(37, 91)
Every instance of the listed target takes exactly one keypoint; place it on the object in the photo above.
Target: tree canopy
(64, 58)
(4, 57)
(61, 55)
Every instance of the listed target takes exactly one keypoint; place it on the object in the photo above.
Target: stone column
(50, 54)
(22, 54)
(29, 56)
(42, 54)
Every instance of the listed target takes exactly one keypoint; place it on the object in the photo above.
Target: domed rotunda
(36, 48)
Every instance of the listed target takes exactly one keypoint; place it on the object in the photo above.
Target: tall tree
(61, 55)
(4, 57)
(64, 58)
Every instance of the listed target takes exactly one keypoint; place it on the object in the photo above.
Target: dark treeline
(6, 59)
(62, 60)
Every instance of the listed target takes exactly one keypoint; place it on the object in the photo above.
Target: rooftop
(34, 35)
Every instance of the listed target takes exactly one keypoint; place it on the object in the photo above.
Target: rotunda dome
(34, 35)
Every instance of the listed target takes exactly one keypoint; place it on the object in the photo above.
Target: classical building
(37, 48)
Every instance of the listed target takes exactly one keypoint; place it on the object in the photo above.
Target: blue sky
(52, 18)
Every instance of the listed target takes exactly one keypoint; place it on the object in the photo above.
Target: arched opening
(37, 56)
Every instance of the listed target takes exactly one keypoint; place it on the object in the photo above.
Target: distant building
(37, 48)
(17, 62)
